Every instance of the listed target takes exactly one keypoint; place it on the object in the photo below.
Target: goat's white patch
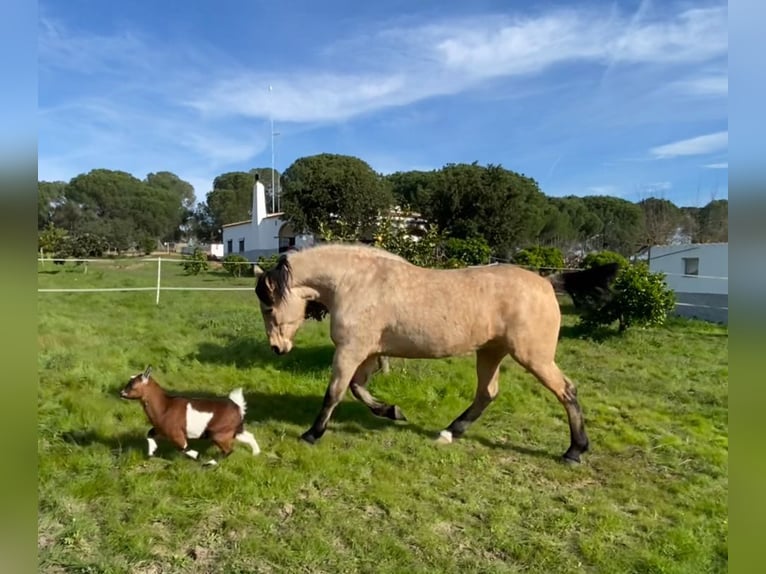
(191, 454)
(445, 437)
(248, 438)
(211, 462)
(238, 399)
(152, 445)
(196, 421)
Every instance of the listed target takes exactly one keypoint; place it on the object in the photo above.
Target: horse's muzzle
(277, 350)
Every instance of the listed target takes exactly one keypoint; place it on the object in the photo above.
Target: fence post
(159, 266)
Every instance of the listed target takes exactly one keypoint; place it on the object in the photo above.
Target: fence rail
(158, 287)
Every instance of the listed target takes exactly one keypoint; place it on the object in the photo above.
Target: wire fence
(158, 287)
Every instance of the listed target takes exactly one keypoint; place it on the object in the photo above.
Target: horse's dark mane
(279, 276)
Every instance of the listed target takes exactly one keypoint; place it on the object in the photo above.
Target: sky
(588, 98)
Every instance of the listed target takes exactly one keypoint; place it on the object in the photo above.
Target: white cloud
(723, 165)
(699, 145)
(403, 66)
(711, 85)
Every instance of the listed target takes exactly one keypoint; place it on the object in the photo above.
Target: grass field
(372, 495)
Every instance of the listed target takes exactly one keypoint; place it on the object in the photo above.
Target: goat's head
(137, 386)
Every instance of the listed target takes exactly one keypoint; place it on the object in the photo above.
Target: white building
(699, 275)
(263, 235)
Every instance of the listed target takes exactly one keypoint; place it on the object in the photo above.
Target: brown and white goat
(178, 418)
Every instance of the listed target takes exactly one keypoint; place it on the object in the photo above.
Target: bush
(423, 251)
(195, 263)
(541, 258)
(602, 258)
(237, 265)
(147, 245)
(640, 298)
(82, 246)
(474, 251)
(266, 263)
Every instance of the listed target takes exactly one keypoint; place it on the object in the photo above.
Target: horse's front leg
(345, 364)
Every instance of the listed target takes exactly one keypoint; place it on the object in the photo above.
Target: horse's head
(283, 308)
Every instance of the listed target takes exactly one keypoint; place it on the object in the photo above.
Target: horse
(382, 305)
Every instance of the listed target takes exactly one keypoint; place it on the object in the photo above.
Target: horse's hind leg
(344, 366)
(487, 373)
(551, 376)
(359, 390)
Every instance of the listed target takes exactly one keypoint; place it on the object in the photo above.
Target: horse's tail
(587, 286)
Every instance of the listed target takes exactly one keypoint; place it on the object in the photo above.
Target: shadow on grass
(597, 334)
(246, 352)
(350, 417)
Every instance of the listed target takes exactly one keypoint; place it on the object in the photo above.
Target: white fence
(156, 288)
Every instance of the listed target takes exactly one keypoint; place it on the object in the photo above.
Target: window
(241, 245)
(229, 246)
(691, 266)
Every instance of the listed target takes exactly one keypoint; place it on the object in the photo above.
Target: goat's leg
(225, 442)
(178, 437)
(248, 438)
(151, 442)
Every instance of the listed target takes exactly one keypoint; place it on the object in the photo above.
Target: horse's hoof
(570, 459)
(445, 437)
(395, 413)
(308, 437)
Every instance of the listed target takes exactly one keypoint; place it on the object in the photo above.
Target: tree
(341, 192)
(713, 222)
(662, 218)
(622, 223)
(50, 194)
(412, 189)
(503, 207)
(547, 259)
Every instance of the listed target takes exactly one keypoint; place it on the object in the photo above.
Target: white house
(699, 275)
(263, 235)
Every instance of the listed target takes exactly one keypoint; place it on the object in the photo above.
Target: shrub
(147, 245)
(51, 239)
(641, 297)
(266, 263)
(602, 258)
(474, 251)
(236, 265)
(541, 258)
(423, 251)
(82, 246)
(195, 263)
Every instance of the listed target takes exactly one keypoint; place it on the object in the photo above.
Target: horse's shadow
(350, 417)
(245, 352)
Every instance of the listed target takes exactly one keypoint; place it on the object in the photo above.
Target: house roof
(246, 221)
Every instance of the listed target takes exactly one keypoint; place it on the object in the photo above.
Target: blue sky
(619, 98)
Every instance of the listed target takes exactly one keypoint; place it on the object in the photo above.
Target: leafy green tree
(49, 195)
(341, 192)
(503, 207)
(713, 222)
(662, 218)
(423, 251)
(412, 189)
(622, 223)
(641, 297)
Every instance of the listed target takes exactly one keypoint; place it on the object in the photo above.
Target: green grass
(372, 495)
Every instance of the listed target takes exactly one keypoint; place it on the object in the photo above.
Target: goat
(178, 418)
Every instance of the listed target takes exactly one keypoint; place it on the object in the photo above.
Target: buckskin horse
(382, 305)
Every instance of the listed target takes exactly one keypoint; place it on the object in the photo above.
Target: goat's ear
(147, 372)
